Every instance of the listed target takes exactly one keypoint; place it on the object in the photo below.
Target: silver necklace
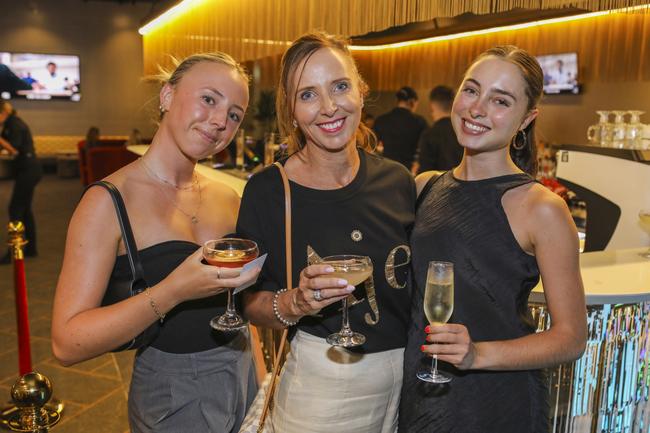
(166, 182)
(193, 217)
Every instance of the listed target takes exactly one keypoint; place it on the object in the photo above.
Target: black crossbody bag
(121, 289)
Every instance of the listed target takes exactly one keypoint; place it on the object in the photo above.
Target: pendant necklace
(193, 217)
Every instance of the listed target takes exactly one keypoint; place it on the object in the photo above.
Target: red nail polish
(427, 329)
(422, 348)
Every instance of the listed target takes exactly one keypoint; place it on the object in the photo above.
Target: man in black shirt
(438, 148)
(399, 129)
(16, 138)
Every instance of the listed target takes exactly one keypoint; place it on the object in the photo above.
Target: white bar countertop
(611, 277)
(232, 181)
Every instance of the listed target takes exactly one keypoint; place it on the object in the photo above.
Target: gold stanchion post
(31, 411)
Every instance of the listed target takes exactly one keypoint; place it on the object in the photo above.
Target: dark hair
(6, 105)
(302, 49)
(443, 96)
(525, 157)
(406, 93)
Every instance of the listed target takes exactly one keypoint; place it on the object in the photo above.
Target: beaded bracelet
(276, 311)
(160, 315)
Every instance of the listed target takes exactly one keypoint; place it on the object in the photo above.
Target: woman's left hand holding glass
(452, 343)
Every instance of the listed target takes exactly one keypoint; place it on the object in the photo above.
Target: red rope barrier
(22, 317)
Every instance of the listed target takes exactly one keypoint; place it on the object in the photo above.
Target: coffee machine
(615, 185)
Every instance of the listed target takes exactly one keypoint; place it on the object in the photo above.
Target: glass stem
(345, 327)
(434, 365)
(230, 308)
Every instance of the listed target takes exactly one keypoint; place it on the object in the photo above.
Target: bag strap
(283, 340)
(125, 226)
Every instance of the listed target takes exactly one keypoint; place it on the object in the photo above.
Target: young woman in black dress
(501, 230)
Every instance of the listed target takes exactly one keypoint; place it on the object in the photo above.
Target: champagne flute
(229, 253)
(354, 269)
(644, 216)
(438, 306)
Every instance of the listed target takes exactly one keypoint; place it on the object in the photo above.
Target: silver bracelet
(276, 311)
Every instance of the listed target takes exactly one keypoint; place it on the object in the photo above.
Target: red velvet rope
(22, 318)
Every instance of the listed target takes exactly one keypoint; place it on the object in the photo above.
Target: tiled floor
(94, 392)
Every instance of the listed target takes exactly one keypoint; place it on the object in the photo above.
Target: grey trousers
(204, 392)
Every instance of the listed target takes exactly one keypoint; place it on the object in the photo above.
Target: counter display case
(608, 389)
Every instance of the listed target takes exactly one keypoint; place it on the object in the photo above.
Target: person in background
(135, 137)
(438, 147)
(16, 139)
(368, 119)
(399, 129)
(92, 137)
(501, 230)
(345, 200)
(189, 379)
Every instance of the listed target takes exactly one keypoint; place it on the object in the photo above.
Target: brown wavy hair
(301, 50)
(526, 157)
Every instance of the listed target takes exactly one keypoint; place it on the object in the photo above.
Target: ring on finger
(317, 295)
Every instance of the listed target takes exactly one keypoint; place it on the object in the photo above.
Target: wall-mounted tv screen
(39, 76)
(560, 73)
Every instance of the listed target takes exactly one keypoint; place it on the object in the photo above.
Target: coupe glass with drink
(644, 216)
(229, 253)
(438, 306)
(354, 269)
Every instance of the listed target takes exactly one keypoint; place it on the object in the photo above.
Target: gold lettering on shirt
(389, 269)
(372, 301)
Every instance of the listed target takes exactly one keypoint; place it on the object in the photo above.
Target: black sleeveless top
(186, 328)
(464, 222)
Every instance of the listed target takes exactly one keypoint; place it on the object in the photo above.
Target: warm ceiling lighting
(169, 15)
(495, 29)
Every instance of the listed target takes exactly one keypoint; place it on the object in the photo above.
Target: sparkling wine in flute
(644, 216)
(438, 301)
(438, 305)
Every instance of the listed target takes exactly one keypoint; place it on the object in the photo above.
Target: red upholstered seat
(98, 162)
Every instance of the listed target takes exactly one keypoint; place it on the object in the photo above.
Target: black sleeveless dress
(464, 222)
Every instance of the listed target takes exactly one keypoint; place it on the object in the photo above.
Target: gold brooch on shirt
(356, 235)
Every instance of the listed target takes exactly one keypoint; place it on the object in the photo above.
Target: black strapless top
(186, 328)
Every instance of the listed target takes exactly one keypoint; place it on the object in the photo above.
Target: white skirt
(330, 390)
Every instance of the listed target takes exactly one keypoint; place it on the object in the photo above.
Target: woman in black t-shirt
(344, 201)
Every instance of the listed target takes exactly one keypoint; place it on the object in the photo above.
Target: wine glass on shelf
(644, 216)
(354, 269)
(229, 253)
(438, 306)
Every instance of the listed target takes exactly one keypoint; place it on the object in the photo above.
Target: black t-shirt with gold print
(371, 216)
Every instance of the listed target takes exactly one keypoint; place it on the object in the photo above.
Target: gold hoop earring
(295, 124)
(524, 140)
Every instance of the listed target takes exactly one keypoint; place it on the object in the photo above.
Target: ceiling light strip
(169, 15)
(495, 29)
